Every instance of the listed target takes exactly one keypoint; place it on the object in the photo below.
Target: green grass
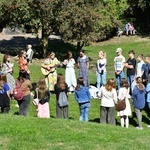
(32, 133)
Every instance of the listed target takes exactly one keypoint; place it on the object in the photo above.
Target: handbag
(121, 105)
(36, 100)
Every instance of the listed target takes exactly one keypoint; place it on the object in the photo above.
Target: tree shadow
(96, 120)
(18, 43)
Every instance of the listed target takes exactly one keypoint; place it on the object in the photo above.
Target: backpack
(18, 94)
(62, 100)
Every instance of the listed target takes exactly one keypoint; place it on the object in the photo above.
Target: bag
(121, 105)
(62, 100)
(18, 94)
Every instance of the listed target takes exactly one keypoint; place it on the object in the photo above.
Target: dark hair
(131, 51)
(3, 80)
(5, 58)
(124, 83)
(23, 75)
(68, 54)
(21, 53)
(81, 51)
(80, 81)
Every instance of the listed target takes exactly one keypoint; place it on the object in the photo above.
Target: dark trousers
(61, 111)
(5, 110)
(24, 105)
(107, 115)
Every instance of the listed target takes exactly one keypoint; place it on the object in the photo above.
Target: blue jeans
(130, 80)
(118, 79)
(101, 79)
(84, 111)
(148, 104)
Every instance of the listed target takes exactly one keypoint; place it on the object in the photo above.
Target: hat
(118, 50)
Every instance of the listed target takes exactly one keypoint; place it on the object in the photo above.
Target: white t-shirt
(119, 62)
(29, 52)
(108, 99)
(101, 65)
(139, 69)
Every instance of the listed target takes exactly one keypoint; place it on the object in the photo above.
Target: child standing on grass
(61, 86)
(42, 99)
(138, 97)
(82, 96)
(101, 69)
(124, 93)
(4, 95)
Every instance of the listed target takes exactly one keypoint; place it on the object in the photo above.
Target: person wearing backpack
(83, 97)
(26, 86)
(41, 100)
(138, 96)
(61, 90)
(4, 94)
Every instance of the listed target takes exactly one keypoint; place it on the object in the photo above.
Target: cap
(118, 50)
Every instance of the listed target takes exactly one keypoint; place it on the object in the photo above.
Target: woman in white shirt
(108, 95)
(70, 76)
(101, 69)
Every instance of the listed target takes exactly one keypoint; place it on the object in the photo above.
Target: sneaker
(139, 128)
(148, 126)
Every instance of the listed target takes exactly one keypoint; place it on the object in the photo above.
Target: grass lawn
(32, 133)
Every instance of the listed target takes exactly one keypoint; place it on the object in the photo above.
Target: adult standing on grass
(147, 70)
(59, 88)
(29, 53)
(49, 66)
(4, 94)
(124, 93)
(101, 69)
(119, 61)
(83, 64)
(138, 96)
(82, 96)
(23, 65)
(26, 87)
(70, 76)
(131, 68)
(7, 69)
(140, 66)
(108, 96)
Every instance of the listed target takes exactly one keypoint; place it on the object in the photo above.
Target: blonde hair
(103, 53)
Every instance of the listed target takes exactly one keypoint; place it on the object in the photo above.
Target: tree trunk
(44, 42)
(80, 45)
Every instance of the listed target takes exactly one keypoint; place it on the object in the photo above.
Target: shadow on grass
(18, 43)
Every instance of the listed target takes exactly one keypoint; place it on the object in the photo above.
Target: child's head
(139, 83)
(61, 81)
(131, 53)
(111, 83)
(124, 83)
(80, 81)
(3, 80)
(42, 88)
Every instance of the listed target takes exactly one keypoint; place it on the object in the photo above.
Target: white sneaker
(148, 126)
(139, 128)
